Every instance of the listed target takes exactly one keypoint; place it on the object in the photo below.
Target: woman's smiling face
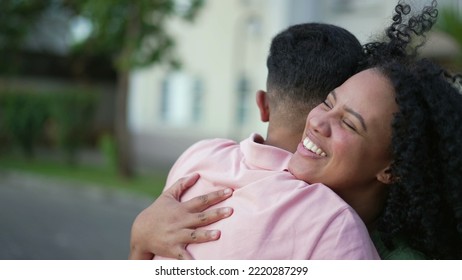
(347, 138)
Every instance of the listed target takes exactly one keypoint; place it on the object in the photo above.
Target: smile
(313, 148)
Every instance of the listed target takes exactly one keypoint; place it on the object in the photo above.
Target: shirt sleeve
(345, 238)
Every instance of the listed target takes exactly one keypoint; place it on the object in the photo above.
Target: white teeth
(312, 147)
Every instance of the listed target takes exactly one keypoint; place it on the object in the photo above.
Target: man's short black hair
(307, 61)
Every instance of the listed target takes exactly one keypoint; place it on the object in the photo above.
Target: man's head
(305, 63)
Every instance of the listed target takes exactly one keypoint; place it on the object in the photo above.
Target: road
(46, 219)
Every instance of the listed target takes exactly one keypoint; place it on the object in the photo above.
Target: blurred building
(224, 63)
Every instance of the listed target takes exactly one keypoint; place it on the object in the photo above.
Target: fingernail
(214, 234)
(226, 211)
(227, 191)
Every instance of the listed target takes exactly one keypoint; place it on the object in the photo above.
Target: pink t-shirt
(275, 215)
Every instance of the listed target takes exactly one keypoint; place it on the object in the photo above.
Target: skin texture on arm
(167, 226)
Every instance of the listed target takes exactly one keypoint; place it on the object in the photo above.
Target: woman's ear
(385, 176)
(263, 105)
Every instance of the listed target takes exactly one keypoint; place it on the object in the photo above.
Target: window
(198, 92)
(181, 99)
(243, 88)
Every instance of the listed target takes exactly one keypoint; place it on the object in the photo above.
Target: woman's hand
(167, 226)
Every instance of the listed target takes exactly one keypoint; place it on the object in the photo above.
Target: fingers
(209, 217)
(180, 186)
(192, 221)
(203, 202)
(184, 255)
(192, 236)
(199, 203)
(201, 236)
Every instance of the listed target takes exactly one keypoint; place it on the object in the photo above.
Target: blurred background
(99, 97)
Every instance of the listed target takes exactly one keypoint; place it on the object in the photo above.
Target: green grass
(150, 185)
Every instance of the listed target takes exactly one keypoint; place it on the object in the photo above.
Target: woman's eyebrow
(354, 113)
(358, 116)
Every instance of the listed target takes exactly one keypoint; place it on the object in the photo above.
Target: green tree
(450, 22)
(17, 18)
(134, 33)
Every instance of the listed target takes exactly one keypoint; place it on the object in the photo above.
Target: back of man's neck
(283, 139)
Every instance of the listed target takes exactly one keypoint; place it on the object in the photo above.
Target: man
(271, 218)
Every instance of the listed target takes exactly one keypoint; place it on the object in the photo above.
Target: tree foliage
(16, 20)
(134, 33)
(450, 22)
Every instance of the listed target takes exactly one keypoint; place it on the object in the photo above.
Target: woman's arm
(167, 225)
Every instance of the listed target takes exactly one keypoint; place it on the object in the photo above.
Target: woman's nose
(320, 124)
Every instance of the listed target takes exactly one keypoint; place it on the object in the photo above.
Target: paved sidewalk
(43, 218)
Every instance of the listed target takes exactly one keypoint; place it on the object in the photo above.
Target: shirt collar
(261, 156)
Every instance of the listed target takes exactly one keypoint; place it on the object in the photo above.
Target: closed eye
(349, 125)
(326, 102)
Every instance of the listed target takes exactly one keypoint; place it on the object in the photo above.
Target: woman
(396, 124)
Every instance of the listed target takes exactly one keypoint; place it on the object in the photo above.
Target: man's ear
(385, 176)
(263, 105)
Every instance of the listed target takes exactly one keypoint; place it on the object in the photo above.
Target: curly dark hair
(424, 204)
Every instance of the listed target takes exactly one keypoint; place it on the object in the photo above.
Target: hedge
(64, 118)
